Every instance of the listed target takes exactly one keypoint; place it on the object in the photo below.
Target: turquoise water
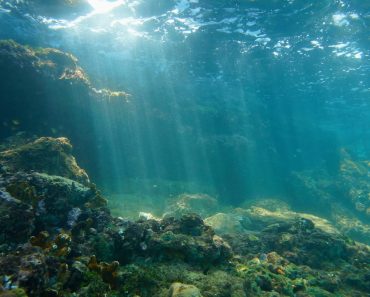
(184, 148)
(230, 98)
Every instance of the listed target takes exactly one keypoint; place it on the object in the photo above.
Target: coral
(95, 288)
(53, 200)
(42, 240)
(27, 269)
(108, 272)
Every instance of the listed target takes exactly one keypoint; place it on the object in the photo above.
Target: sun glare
(103, 6)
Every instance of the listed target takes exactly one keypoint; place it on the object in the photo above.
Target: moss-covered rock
(45, 155)
(44, 91)
(201, 204)
(226, 223)
(40, 190)
(183, 290)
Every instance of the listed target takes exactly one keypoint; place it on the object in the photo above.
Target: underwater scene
(184, 148)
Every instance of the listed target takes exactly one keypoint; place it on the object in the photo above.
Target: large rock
(201, 204)
(186, 239)
(350, 186)
(260, 218)
(48, 155)
(254, 219)
(226, 223)
(43, 188)
(16, 219)
(44, 91)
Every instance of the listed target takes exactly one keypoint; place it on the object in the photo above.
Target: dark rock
(16, 219)
(186, 239)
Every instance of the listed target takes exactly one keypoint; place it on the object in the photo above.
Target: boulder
(48, 155)
(186, 239)
(183, 290)
(201, 204)
(226, 223)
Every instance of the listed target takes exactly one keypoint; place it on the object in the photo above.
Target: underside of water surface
(184, 148)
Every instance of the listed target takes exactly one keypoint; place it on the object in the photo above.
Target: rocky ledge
(58, 238)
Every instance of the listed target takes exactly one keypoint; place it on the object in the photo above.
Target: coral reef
(57, 238)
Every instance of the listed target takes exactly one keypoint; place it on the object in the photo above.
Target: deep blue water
(232, 94)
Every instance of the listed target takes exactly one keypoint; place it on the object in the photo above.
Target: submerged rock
(44, 91)
(185, 239)
(45, 155)
(254, 219)
(224, 223)
(182, 290)
(348, 187)
(259, 218)
(16, 219)
(40, 190)
(55, 201)
(27, 268)
(201, 204)
(58, 239)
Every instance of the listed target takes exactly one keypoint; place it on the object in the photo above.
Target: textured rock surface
(45, 155)
(183, 290)
(186, 239)
(201, 204)
(57, 238)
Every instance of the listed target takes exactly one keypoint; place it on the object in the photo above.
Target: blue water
(229, 95)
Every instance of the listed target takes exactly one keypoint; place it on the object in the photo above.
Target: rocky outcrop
(44, 91)
(42, 188)
(44, 155)
(185, 239)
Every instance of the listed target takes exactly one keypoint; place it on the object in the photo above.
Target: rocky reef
(46, 92)
(344, 195)
(58, 238)
(41, 87)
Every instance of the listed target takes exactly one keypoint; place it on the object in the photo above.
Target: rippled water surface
(225, 91)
